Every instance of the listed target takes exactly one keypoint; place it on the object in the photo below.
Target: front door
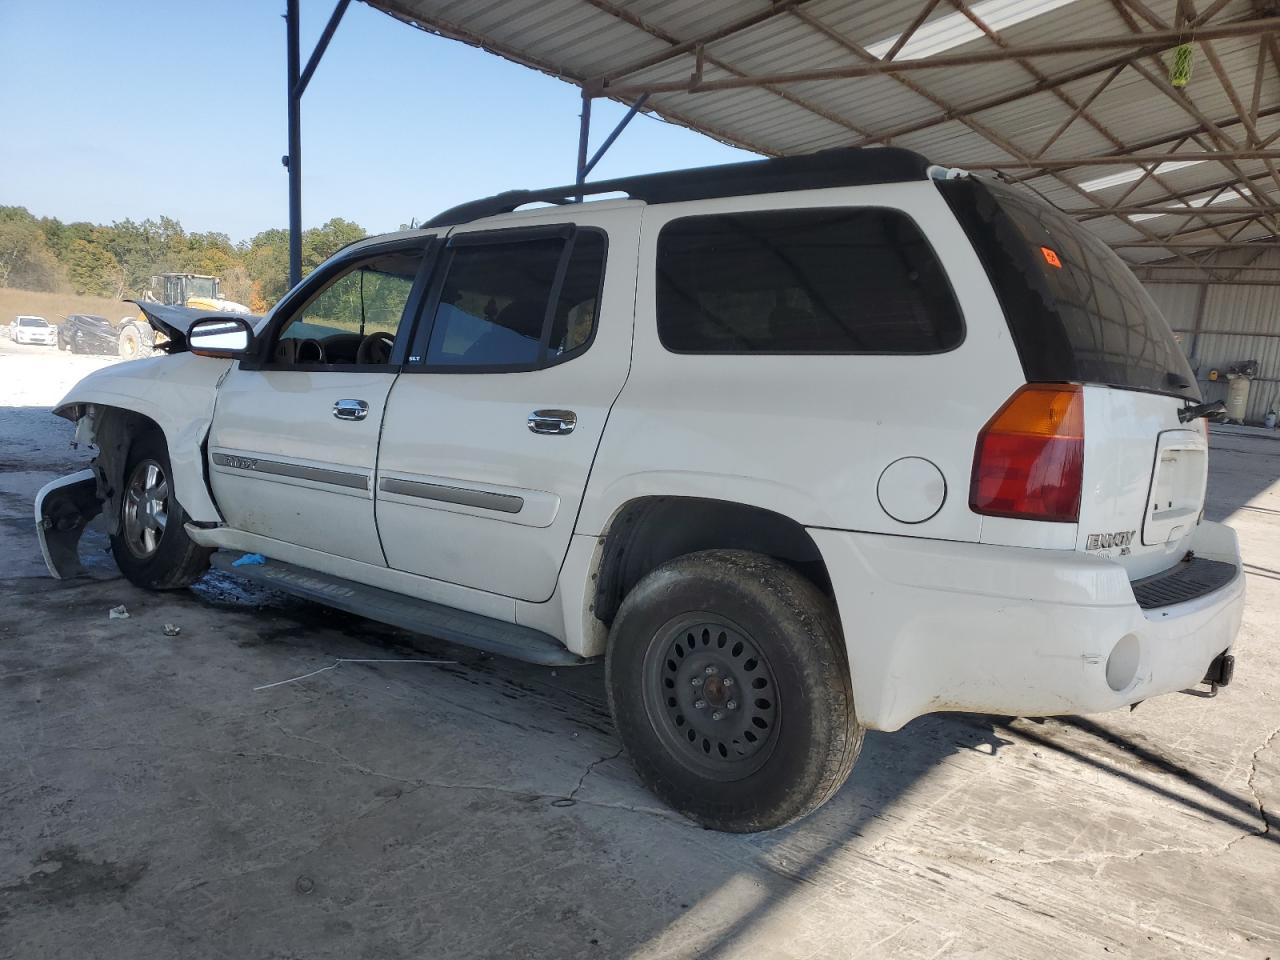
(294, 439)
(491, 430)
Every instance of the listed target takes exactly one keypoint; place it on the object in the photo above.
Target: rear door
(1077, 314)
(294, 440)
(491, 431)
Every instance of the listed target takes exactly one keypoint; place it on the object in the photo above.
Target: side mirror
(220, 337)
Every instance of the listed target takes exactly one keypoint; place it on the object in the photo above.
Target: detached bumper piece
(1189, 579)
(63, 509)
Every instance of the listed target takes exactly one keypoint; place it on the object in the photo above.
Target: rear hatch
(1077, 315)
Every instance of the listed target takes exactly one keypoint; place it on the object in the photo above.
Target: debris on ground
(172, 629)
(118, 613)
(341, 660)
(250, 560)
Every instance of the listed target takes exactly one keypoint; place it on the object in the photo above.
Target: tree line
(43, 253)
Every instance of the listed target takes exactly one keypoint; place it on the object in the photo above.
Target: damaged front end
(64, 507)
(172, 395)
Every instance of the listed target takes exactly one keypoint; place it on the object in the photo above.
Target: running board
(408, 613)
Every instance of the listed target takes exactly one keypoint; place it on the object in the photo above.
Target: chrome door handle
(350, 409)
(553, 421)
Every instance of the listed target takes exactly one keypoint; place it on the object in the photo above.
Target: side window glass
(574, 322)
(355, 317)
(493, 308)
(803, 281)
(493, 304)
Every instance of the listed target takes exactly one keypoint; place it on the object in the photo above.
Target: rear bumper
(934, 625)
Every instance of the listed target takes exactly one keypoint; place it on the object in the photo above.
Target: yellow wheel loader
(137, 338)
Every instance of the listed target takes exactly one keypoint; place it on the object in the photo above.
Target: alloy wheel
(146, 509)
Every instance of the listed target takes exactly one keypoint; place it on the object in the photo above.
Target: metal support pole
(321, 45)
(1193, 349)
(293, 160)
(584, 132)
(608, 141)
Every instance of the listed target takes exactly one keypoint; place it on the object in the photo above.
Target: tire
(134, 342)
(745, 762)
(166, 559)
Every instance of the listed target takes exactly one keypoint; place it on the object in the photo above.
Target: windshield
(1076, 311)
(31, 322)
(201, 287)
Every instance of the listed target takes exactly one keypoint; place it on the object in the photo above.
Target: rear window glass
(1076, 311)
(803, 281)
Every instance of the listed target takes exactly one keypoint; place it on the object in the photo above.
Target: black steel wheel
(711, 696)
(730, 688)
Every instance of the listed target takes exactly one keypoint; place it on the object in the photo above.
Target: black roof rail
(837, 167)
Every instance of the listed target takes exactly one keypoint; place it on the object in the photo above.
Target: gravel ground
(35, 446)
(38, 376)
(154, 804)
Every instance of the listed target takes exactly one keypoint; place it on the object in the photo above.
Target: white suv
(801, 447)
(33, 330)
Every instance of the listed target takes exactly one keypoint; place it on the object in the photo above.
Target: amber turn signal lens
(1029, 459)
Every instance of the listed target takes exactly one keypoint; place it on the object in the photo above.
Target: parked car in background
(87, 333)
(32, 330)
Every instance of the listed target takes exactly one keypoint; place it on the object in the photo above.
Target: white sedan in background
(33, 330)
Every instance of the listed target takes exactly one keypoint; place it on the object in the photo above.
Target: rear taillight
(1029, 460)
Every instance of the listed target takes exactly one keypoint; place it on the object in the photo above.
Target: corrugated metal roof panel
(582, 39)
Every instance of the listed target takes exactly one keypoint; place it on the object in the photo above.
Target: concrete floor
(153, 804)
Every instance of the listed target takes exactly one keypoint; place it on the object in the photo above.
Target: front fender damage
(64, 507)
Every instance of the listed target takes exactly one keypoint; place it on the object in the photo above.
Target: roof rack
(838, 167)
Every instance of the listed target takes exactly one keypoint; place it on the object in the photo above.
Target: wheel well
(114, 429)
(648, 532)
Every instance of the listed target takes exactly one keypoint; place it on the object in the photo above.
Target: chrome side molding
(464, 496)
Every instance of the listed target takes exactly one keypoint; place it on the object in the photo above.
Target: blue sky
(139, 108)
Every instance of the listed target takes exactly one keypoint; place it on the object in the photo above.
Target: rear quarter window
(815, 281)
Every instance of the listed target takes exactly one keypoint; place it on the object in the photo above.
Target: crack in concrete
(1253, 788)
(1211, 851)
(572, 798)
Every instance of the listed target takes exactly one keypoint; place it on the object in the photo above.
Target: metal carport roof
(1076, 99)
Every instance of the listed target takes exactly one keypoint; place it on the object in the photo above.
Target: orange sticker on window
(1051, 257)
